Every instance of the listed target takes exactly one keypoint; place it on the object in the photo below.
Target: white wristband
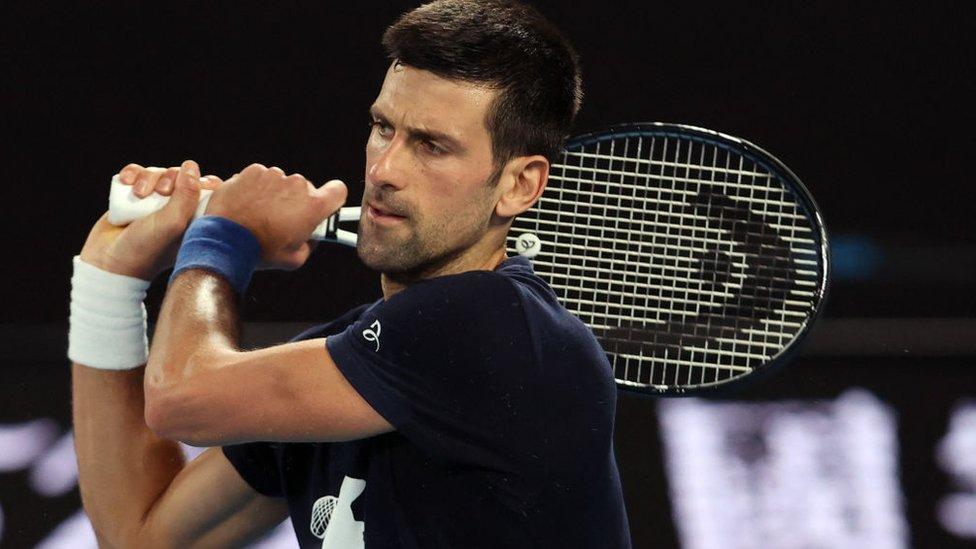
(107, 326)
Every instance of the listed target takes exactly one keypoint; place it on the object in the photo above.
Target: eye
(432, 147)
(381, 127)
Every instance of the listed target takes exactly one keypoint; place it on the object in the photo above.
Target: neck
(473, 260)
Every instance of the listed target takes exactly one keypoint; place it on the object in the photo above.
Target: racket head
(697, 258)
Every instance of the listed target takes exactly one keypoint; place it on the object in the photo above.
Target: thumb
(186, 192)
(330, 197)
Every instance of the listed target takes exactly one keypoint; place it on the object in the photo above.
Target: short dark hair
(505, 45)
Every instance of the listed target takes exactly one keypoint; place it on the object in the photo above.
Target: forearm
(123, 467)
(198, 321)
(136, 487)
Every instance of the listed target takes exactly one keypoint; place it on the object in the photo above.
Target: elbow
(180, 408)
(162, 411)
(168, 417)
(193, 406)
(170, 414)
(163, 400)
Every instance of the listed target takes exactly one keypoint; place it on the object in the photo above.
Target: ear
(523, 180)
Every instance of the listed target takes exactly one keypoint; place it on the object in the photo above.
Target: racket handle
(329, 231)
(124, 207)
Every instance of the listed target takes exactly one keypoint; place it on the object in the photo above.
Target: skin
(429, 211)
(437, 182)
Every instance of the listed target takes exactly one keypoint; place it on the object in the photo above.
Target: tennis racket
(697, 258)
(124, 207)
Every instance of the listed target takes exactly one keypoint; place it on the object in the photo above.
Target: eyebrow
(421, 133)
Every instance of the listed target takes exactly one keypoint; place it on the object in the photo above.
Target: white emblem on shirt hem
(332, 518)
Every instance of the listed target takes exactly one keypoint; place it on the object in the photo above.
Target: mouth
(381, 215)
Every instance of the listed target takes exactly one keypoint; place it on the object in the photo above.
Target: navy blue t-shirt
(503, 404)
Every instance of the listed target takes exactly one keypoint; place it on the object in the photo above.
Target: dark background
(870, 105)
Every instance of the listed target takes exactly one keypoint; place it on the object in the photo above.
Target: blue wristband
(220, 245)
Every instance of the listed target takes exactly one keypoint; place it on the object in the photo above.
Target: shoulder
(466, 318)
(511, 289)
(333, 327)
(510, 302)
(475, 295)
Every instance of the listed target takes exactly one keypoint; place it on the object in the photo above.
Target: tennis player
(466, 408)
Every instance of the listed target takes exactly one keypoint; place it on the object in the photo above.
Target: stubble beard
(426, 249)
(419, 253)
(394, 256)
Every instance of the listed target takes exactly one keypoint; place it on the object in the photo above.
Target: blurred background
(868, 439)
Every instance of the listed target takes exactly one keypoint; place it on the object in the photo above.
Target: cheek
(461, 216)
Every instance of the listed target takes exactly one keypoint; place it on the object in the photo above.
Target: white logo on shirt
(373, 334)
(332, 519)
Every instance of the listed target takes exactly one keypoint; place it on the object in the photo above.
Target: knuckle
(253, 170)
(297, 180)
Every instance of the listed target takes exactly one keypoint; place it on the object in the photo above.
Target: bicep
(286, 393)
(208, 504)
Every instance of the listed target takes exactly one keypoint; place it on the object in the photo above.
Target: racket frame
(763, 158)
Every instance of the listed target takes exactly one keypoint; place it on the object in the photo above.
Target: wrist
(221, 246)
(107, 324)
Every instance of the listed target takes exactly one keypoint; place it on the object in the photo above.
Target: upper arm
(288, 393)
(208, 504)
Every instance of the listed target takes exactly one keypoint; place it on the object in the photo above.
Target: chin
(389, 260)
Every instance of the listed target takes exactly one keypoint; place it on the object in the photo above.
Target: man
(466, 408)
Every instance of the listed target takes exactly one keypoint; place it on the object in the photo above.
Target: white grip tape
(107, 325)
(124, 206)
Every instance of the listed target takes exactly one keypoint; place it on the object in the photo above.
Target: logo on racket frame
(528, 245)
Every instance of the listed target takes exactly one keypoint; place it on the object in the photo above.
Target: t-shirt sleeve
(259, 463)
(449, 363)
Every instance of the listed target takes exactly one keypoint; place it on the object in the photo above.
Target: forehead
(421, 99)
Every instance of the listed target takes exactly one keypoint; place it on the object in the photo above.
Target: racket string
(698, 255)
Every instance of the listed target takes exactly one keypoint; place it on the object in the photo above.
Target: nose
(388, 168)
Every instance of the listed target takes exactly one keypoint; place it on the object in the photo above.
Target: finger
(166, 181)
(146, 181)
(128, 174)
(330, 197)
(211, 182)
(186, 194)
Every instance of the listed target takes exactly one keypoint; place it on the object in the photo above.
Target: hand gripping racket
(124, 207)
(696, 258)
